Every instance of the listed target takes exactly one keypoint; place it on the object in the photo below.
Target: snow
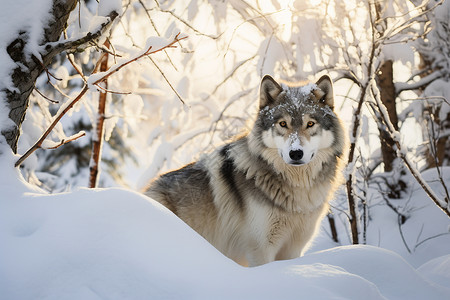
(436, 270)
(438, 92)
(293, 142)
(117, 244)
(297, 94)
(106, 7)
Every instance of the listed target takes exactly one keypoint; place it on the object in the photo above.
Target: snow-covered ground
(118, 244)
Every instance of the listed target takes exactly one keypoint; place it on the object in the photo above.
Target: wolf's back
(186, 192)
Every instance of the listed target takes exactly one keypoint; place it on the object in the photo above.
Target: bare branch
(429, 238)
(167, 80)
(58, 117)
(93, 80)
(157, 31)
(45, 97)
(45, 69)
(99, 77)
(68, 140)
(76, 67)
(189, 25)
(230, 75)
(105, 90)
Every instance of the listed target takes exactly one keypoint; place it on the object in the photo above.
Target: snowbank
(118, 244)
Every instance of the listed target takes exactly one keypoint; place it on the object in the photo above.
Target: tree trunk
(385, 82)
(334, 234)
(97, 140)
(29, 68)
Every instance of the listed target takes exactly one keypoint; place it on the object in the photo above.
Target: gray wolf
(262, 196)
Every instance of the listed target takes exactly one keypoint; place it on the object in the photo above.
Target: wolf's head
(298, 121)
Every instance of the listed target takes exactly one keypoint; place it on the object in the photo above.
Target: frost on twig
(153, 45)
(53, 145)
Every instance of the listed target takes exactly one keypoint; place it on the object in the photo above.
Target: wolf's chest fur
(288, 188)
(275, 213)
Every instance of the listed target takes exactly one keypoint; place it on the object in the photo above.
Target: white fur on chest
(280, 234)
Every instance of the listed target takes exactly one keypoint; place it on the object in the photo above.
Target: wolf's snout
(296, 154)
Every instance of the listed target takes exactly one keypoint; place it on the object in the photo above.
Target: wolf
(262, 196)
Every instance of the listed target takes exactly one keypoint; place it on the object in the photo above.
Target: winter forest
(99, 97)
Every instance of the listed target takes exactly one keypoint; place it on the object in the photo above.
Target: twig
(65, 141)
(106, 50)
(45, 69)
(239, 65)
(429, 238)
(157, 32)
(149, 51)
(399, 221)
(45, 97)
(105, 90)
(75, 66)
(58, 117)
(188, 25)
(59, 90)
(265, 55)
(433, 149)
(113, 50)
(167, 80)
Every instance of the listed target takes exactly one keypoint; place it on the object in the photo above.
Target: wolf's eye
(310, 124)
(283, 124)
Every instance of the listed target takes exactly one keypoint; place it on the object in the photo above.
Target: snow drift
(118, 244)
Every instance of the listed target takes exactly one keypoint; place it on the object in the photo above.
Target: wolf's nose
(296, 154)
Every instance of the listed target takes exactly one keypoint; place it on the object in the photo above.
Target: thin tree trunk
(352, 209)
(386, 86)
(333, 229)
(97, 140)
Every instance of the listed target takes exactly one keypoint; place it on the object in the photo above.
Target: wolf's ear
(268, 91)
(324, 92)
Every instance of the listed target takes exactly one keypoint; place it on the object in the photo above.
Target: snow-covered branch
(74, 44)
(52, 145)
(443, 204)
(423, 82)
